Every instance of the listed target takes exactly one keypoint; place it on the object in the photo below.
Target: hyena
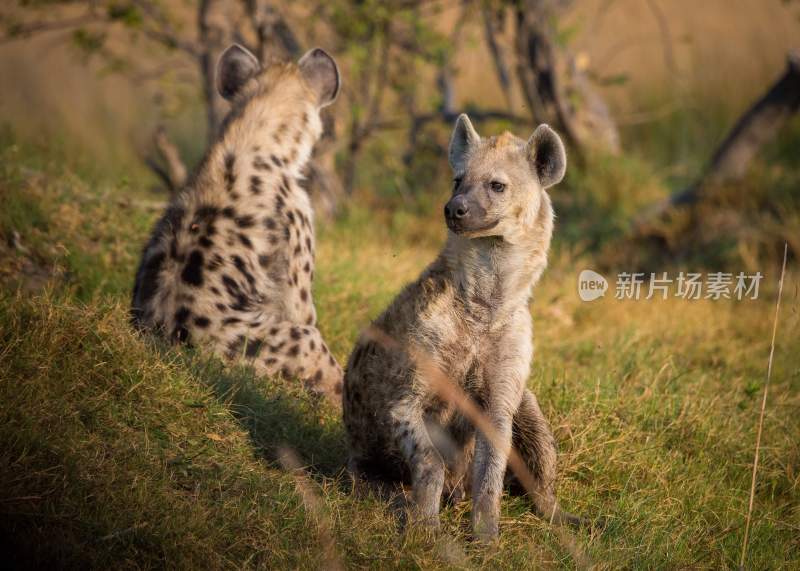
(229, 266)
(468, 315)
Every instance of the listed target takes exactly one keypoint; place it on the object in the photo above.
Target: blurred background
(645, 93)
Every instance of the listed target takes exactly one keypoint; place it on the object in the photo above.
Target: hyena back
(230, 265)
(468, 317)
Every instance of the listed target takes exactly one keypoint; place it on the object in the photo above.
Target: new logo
(591, 285)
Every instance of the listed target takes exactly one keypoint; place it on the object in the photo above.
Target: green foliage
(128, 14)
(680, 136)
(614, 80)
(21, 210)
(565, 34)
(89, 42)
(598, 200)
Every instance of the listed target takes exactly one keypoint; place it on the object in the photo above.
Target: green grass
(120, 453)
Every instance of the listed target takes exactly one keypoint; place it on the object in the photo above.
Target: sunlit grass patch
(121, 452)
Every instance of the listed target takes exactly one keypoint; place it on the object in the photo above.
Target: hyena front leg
(489, 468)
(295, 351)
(505, 376)
(426, 465)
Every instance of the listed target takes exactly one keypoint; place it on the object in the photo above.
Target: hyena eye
(456, 182)
(497, 186)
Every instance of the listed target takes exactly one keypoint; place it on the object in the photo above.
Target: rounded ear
(235, 67)
(321, 72)
(463, 139)
(547, 155)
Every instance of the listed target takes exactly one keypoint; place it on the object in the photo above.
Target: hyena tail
(535, 443)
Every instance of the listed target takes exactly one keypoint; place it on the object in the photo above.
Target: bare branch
(649, 115)
(159, 171)
(758, 125)
(171, 156)
(24, 31)
(555, 87)
(475, 115)
(604, 60)
(375, 76)
(166, 161)
(164, 32)
(445, 81)
(157, 72)
(215, 34)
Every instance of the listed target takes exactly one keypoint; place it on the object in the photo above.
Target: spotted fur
(230, 264)
(467, 316)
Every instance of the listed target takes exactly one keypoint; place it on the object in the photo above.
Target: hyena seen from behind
(468, 315)
(230, 264)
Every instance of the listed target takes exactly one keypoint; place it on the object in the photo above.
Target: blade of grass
(761, 414)
(313, 503)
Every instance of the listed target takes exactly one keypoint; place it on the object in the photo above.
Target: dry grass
(762, 412)
(123, 453)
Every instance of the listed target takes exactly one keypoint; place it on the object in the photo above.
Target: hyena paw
(485, 522)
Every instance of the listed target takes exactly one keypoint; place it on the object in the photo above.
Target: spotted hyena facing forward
(468, 315)
(230, 264)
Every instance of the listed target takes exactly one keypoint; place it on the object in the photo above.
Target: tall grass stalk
(763, 409)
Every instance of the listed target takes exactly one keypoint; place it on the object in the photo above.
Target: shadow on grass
(276, 413)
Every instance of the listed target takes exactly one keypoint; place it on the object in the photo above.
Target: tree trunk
(216, 34)
(555, 89)
(276, 40)
(351, 159)
(759, 124)
(754, 129)
(493, 25)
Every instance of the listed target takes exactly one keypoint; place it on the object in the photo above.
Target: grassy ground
(119, 453)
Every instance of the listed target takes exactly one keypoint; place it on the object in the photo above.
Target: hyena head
(242, 78)
(499, 183)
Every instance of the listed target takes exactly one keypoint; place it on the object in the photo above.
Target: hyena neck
(496, 273)
(490, 273)
(275, 127)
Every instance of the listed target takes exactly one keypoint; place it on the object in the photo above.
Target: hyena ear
(547, 155)
(235, 67)
(321, 72)
(463, 139)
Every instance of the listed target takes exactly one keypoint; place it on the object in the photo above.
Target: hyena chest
(466, 351)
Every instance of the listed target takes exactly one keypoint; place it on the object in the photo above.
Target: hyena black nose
(456, 208)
